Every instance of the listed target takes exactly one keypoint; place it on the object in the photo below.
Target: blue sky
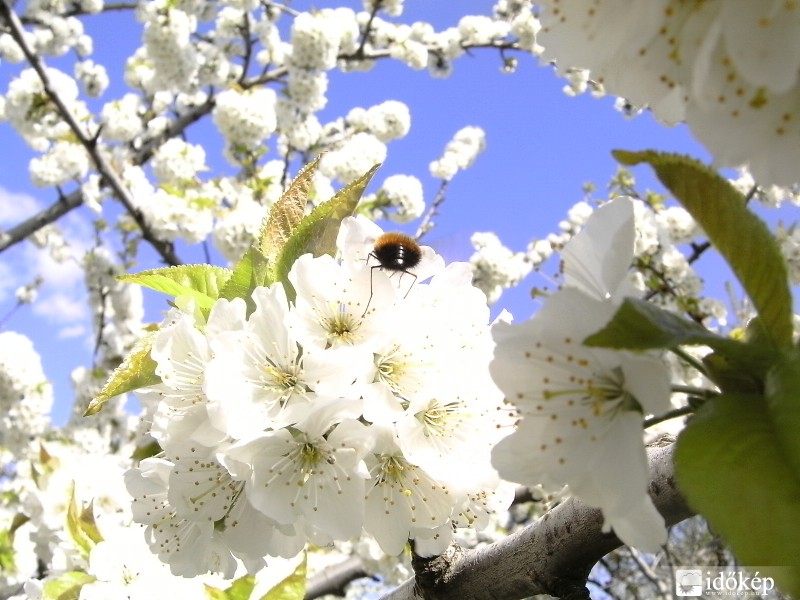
(542, 146)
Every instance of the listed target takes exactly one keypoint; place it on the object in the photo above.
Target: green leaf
(783, 400)
(291, 588)
(257, 266)
(200, 282)
(146, 450)
(249, 273)
(741, 237)
(641, 325)
(286, 214)
(81, 525)
(67, 586)
(7, 554)
(240, 589)
(136, 371)
(732, 470)
(316, 233)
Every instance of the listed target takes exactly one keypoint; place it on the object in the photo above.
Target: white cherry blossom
(581, 408)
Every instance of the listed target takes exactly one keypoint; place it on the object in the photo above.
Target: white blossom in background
(482, 29)
(496, 267)
(771, 196)
(678, 225)
(91, 7)
(10, 50)
(45, 478)
(393, 8)
(331, 415)
(307, 89)
(122, 118)
(175, 161)
(730, 70)
(168, 45)
(353, 158)
(39, 122)
(63, 162)
(22, 547)
(317, 38)
(246, 118)
(117, 320)
(789, 243)
(27, 294)
(447, 46)
(577, 81)
(526, 27)
(236, 230)
(459, 153)
(120, 304)
(51, 238)
(388, 121)
(93, 77)
(399, 199)
(274, 50)
(581, 408)
(412, 52)
(179, 217)
(216, 68)
(26, 395)
(301, 135)
(125, 568)
(59, 35)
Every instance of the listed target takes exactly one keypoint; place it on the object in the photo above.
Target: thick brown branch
(553, 555)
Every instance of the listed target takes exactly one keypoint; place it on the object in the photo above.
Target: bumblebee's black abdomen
(397, 252)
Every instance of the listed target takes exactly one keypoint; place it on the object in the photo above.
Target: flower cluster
(730, 71)
(177, 162)
(581, 408)
(496, 267)
(25, 394)
(246, 118)
(400, 199)
(322, 417)
(28, 109)
(460, 153)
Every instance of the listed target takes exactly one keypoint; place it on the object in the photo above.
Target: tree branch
(553, 555)
(49, 215)
(334, 579)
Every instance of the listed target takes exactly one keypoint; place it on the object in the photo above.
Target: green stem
(693, 391)
(690, 360)
(672, 414)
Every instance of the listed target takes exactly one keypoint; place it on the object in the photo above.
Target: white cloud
(62, 275)
(60, 307)
(16, 206)
(73, 331)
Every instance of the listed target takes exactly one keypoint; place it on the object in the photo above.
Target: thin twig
(427, 221)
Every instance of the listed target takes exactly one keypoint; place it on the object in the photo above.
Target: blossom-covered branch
(89, 142)
(552, 556)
